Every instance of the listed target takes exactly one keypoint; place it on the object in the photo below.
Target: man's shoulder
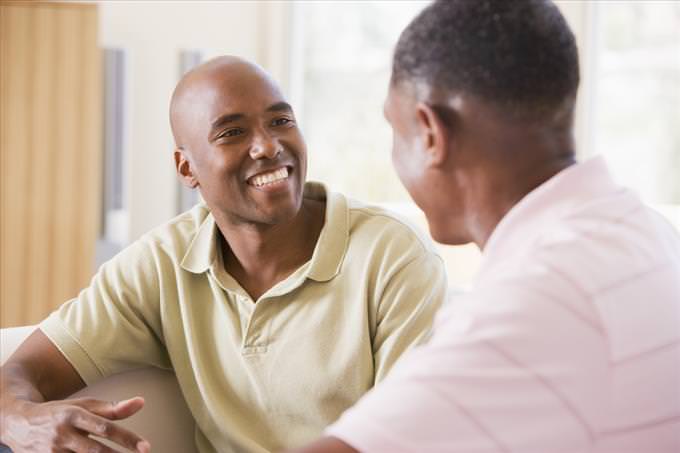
(613, 270)
(382, 225)
(176, 235)
(368, 222)
(607, 242)
(590, 254)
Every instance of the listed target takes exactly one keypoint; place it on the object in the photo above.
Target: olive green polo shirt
(266, 374)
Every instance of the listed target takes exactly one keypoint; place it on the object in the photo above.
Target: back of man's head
(517, 55)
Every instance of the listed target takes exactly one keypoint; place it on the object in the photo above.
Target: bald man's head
(197, 89)
(237, 141)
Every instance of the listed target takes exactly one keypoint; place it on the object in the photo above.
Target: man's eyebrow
(231, 117)
(224, 119)
(280, 107)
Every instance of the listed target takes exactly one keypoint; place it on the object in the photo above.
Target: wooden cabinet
(50, 155)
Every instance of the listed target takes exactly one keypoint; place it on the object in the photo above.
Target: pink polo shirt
(568, 342)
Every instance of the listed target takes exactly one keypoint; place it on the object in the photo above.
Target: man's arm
(407, 306)
(34, 419)
(325, 445)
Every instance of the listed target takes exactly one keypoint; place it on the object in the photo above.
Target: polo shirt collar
(202, 250)
(334, 238)
(328, 254)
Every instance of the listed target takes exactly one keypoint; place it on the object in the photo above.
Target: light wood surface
(50, 155)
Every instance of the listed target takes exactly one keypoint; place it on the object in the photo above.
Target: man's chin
(447, 237)
(268, 209)
(283, 213)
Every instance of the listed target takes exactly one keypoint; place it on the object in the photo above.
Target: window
(186, 197)
(634, 100)
(113, 235)
(346, 53)
(636, 97)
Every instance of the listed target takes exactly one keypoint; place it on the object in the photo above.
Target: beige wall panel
(16, 44)
(90, 169)
(41, 181)
(67, 77)
(51, 154)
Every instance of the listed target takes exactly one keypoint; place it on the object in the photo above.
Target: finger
(126, 408)
(111, 409)
(79, 442)
(144, 447)
(104, 428)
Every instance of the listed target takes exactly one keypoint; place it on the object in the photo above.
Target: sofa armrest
(165, 419)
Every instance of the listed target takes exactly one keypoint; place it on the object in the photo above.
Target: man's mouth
(269, 178)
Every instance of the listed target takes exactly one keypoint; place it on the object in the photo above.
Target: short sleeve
(406, 309)
(114, 324)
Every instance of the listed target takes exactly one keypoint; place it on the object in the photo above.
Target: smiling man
(276, 303)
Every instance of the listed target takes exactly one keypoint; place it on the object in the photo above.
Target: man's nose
(265, 146)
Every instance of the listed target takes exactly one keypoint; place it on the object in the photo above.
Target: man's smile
(269, 178)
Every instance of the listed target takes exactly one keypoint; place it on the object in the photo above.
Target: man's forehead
(387, 106)
(397, 97)
(225, 85)
(222, 85)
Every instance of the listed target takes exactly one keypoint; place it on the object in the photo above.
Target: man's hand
(34, 417)
(60, 426)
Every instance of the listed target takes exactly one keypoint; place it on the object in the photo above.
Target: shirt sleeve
(113, 324)
(499, 369)
(406, 310)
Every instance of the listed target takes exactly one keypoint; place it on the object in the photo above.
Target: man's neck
(503, 190)
(501, 158)
(259, 256)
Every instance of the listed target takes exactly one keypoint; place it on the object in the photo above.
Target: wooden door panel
(50, 154)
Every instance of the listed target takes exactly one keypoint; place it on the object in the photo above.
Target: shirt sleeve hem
(69, 346)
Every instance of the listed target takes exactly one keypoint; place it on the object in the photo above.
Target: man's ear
(434, 132)
(184, 171)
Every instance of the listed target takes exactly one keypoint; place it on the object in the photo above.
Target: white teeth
(270, 178)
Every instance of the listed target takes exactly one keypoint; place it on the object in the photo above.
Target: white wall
(153, 33)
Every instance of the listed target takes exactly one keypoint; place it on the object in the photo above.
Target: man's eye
(230, 133)
(281, 121)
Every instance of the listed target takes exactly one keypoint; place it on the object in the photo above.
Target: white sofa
(165, 419)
